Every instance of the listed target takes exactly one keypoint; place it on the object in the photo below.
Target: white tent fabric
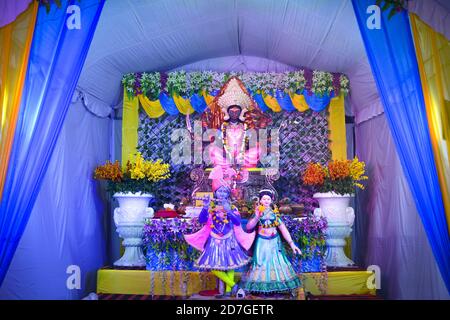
(223, 35)
(66, 226)
(435, 13)
(388, 229)
(159, 35)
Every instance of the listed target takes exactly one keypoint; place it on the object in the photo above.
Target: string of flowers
(309, 235)
(163, 236)
(163, 283)
(172, 281)
(268, 224)
(182, 283)
(183, 83)
(323, 279)
(152, 283)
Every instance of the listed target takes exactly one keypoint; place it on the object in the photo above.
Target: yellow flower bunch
(137, 168)
(138, 175)
(156, 171)
(144, 169)
(357, 171)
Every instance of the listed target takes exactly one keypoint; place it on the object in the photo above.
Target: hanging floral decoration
(186, 84)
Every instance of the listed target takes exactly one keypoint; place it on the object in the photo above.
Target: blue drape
(60, 44)
(260, 101)
(392, 58)
(285, 102)
(198, 103)
(317, 103)
(168, 104)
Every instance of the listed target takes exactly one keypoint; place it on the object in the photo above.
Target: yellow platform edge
(186, 283)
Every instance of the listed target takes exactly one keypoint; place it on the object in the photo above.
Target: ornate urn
(340, 217)
(129, 219)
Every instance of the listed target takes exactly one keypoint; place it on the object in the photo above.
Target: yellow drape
(183, 105)
(299, 102)
(336, 125)
(338, 141)
(130, 121)
(433, 55)
(15, 44)
(272, 103)
(153, 109)
(208, 98)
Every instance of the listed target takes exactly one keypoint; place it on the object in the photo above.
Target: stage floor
(189, 283)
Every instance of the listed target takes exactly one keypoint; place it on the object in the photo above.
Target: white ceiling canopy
(225, 35)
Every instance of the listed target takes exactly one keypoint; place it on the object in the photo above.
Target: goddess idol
(234, 112)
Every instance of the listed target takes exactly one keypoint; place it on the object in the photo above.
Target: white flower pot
(129, 219)
(340, 217)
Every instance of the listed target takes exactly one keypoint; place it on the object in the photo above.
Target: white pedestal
(132, 242)
(335, 255)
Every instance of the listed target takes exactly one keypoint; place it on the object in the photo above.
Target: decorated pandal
(247, 223)
(193, 149)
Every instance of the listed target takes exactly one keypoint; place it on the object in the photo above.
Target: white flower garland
(188, 83)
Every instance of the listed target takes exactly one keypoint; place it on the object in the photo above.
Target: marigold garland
(273, 224)
(216, 219)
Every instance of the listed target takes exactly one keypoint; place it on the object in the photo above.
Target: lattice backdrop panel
(303, 138)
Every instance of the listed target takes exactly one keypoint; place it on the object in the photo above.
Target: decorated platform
(188, 283)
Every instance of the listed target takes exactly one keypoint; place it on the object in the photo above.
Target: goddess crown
(234, 94)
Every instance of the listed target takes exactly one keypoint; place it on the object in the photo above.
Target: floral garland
(267, 225)
(186, 84)
(216, 219)
(225, 141)
(165, 235)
